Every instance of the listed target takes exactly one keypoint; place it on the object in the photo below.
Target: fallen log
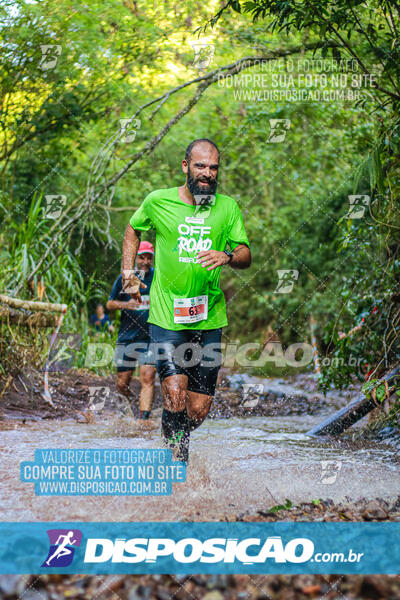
(38, 319)
(350, 414)
(32, 305)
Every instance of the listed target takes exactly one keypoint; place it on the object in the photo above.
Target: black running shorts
(195, 353)
(130, 354)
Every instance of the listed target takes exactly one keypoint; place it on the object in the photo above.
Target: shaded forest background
(60, 131)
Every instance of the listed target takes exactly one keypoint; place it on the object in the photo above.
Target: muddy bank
(70, 394)
(200, 587)
(236, 395)
(326, 510)
(242, 395)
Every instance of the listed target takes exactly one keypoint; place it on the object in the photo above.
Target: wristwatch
(229, 255)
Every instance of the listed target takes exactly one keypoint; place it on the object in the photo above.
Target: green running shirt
(185, 295)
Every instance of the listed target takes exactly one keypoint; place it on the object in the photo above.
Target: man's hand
(131, 304)
(131, 285)
(212, 259)
(126, 305)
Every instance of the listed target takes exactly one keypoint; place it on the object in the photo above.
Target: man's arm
(130, 247)
(120, 305)
(241, 257)
(129, 251)
(212, 259)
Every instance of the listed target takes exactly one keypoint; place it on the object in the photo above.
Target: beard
(203, 195)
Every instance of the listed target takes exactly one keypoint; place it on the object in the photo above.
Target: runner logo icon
(62, 547)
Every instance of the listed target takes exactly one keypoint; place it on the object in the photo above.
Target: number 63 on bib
(190, 310)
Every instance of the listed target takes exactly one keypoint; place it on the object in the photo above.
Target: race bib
(145, 303)
(190, 310)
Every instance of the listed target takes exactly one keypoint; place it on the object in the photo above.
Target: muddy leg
(173, 422)
(125, 394)
(197, 408)
(147, 374)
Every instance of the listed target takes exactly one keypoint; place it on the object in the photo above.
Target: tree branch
(83, 209)
(204, 82)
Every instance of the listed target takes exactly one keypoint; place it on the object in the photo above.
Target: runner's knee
(174, 394)
(199, 413)
(147, 377)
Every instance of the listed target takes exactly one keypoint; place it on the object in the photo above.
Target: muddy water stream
(237, 465)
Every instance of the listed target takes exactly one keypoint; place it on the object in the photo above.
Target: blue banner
(103, 472)
(188, 548)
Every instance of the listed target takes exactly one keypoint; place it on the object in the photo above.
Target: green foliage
(294, 195)
(62, 275)
(368, 293)
(287, 506)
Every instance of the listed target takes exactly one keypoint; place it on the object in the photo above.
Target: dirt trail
(23, 397)
(204, 587)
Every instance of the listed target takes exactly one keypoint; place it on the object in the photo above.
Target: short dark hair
(188, 152)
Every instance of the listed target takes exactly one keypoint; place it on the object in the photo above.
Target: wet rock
(72, 392)
(270, 517)
(241, 581)
(113, 583)
(199, 579)
(230, 517)
(13, 584)
(396, 505)
(181, 578)
(163, 594)
(220, 582)
(374, 586)
(329, 502)
(33, 594)
(374, 511)
(250, 518)
(277, 395)
(214, 595)
(302, 582)
(139, 592)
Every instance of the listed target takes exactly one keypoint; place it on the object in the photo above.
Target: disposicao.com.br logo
(62, 547)
(213, 550)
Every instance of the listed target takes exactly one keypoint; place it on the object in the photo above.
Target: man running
(133, 335)
(194, 226)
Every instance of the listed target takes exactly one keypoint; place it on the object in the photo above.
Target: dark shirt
(100, 324)
(134, 325)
